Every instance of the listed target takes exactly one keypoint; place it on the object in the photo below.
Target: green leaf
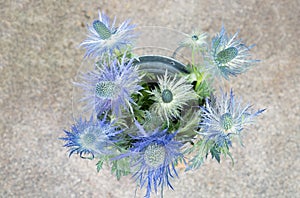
(195, 163)
(100, 163)
(215, 153)
(120, 168)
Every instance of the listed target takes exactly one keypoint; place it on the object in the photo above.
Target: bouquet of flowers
(151, 114)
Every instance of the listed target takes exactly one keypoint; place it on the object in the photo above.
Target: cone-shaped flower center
(101, 29)
(167, 96)
(89, 139)
(226, 55)
(155, 155)
(226, 121)
(105, 89)
(88, 136)
(195, 37)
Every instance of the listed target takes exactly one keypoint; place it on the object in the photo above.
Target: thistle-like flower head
(90, 138)
(229, 56)
(153, 155)
(224, 118)
(196, 40)
(104, 37)
(109, 86)
(171, 95)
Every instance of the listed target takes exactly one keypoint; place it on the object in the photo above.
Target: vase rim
(161, 59)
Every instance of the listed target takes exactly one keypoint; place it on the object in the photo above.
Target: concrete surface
(39, 58)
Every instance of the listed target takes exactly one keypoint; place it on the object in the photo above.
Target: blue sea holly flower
(109, 86)
(154, 155)
(90, 138)
(225, 118)
(171, 95)
(105, 37)
(229, 56)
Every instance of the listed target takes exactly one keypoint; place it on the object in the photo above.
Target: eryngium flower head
(90, 138)
(225, 118)
(196, 40)
(154, 154)
(104, 37)
(171, 96)
(109, 86)
(229, 55)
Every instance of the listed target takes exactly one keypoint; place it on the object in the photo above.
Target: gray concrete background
(39, 58)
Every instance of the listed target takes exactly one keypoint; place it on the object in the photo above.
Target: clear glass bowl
(157, 49)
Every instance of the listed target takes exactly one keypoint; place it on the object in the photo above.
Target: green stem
(193, 57)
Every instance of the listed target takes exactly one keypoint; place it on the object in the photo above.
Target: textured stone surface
(39, 59)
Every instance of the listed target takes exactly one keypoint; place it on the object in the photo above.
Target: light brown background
(39, 57)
